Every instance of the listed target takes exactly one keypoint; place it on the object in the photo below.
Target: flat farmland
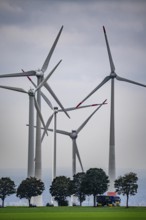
(72, 213)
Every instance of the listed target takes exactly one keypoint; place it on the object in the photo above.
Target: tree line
(93, 182)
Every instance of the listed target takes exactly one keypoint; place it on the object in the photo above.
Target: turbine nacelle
(55, 109)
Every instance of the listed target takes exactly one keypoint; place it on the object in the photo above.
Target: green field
(72, 213)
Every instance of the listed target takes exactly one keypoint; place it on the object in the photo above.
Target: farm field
(72, 213)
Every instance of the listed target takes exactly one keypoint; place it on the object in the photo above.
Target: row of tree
(27, 189)
(93, 182)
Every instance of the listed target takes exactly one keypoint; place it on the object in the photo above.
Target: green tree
(95, 182)
(60, 189)
(127, 185)
(30, 187)
(76, 187)
(7, 187)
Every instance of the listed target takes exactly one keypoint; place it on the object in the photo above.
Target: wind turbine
(73, 135)
(32, 103)
(39, 74)
(55, 111)
(54, 115)
(112, 77)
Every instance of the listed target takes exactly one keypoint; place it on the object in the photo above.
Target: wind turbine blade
(45, 80)
(28, 73)
(101, 84)
(55, 97)
(57, 131)
(109, 52)
(47, 126)
(40, 115)
(78, 155)
(129, 81)
(42, 94)
(31, 81)
(46, 100)
(60, 132)
(85, 122)
(80, 107)
(13, 88)
(46, 63)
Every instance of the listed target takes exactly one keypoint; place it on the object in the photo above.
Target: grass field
(72, 213)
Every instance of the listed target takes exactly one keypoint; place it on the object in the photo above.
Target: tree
(30, 187)
(7, 187)
(76, 187)
(127, 185)
(95, 182)
(60, 189)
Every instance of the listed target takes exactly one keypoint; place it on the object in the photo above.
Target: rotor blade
(40, 115)
(45, 80)
(31, 81)
(101, 84)
(28, 73)
(78, 155)
(46, 63)
(47, 126)
(80, 107)
(55, 97)
(129, 81)
(46, 100)
(60, 132)
(85, 122)
(42, 94)
(57, 131)
(13, 88)
(109, 52)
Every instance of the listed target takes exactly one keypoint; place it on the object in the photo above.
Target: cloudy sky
(27, 31)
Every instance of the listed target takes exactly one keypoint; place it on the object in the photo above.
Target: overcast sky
(27, 31)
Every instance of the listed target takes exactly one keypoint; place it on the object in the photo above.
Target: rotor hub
(39, 72)
(31, 92)
(74, 134)
(113, 74)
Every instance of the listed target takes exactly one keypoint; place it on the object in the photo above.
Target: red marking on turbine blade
(104, 29)
(78, 104)
(94, 104)
(105, 101)
(26, 76)
(29, 78)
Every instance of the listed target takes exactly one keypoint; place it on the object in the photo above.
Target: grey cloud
(27, 31)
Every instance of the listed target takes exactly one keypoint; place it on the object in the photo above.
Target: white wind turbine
(112, 77)
(32, 103)
(54, 115)
(55, 111)
(73, 135)
(39, 74)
